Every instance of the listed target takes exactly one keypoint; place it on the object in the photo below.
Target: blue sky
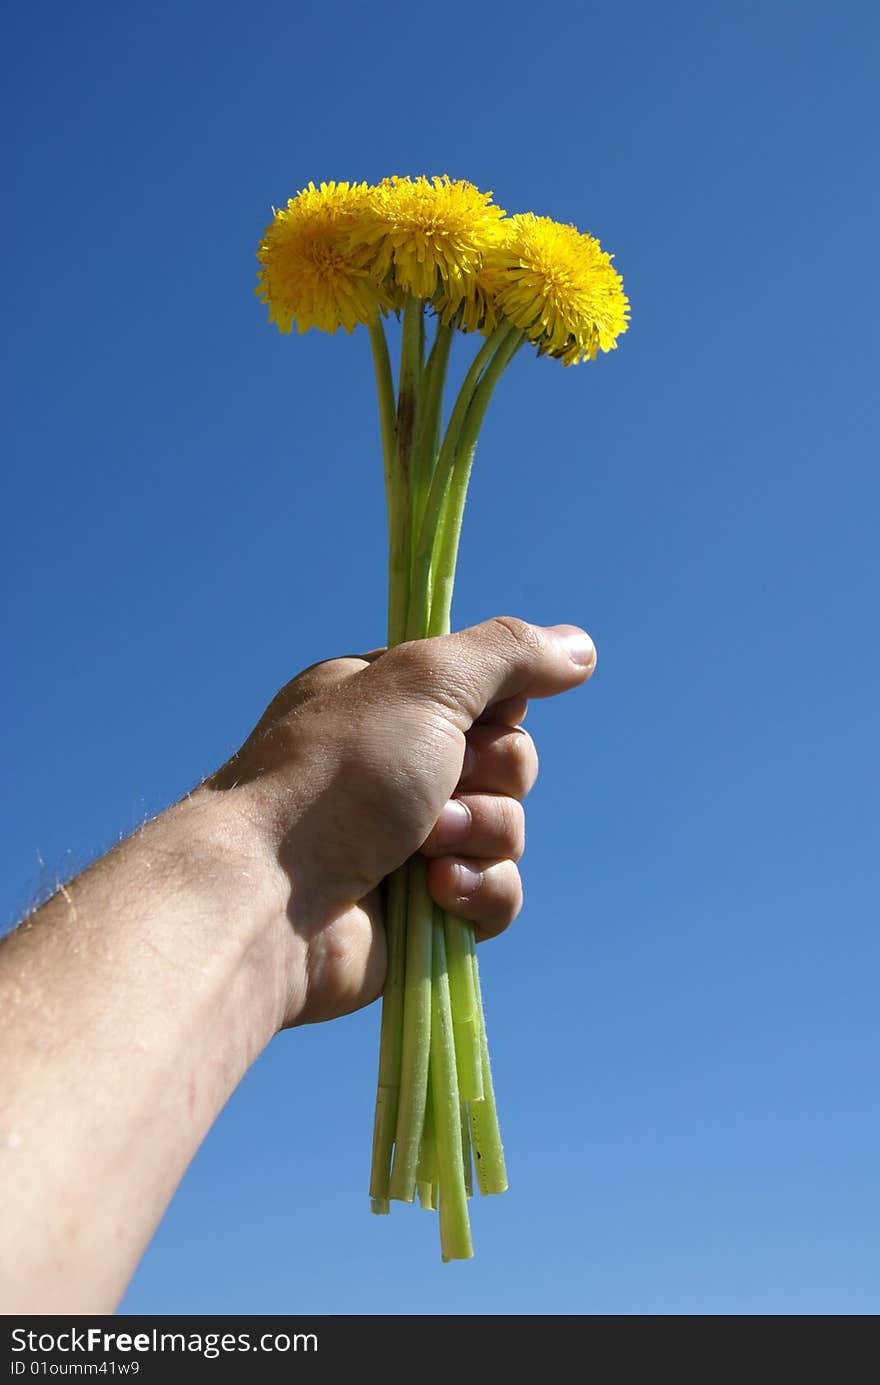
(683, 1020)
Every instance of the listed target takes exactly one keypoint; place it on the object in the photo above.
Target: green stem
(435, 385)
(465, 1015)
(387, 1089)
(421, 344)
(446, 536)
(408, 394)
(390, 1043)
(396, 498)
(416, 1034)
(435, 506)
(426, 1176)
(428, 425)
(427, 1195)
(455, 1230)
(466, 1154)
(442, 533)
(488, 1149)
(431, 401)
(408, 387)
(387, 406)
(432, 1017)
(401, 481)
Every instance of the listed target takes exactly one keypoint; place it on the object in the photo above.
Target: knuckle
(511, 896)
(420, 668)
(513, 828)
(522, 761)
(409, 660)
(524, 637)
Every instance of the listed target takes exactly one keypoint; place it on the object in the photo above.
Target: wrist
(233, 867)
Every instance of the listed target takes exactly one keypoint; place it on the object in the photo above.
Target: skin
(135, 1000)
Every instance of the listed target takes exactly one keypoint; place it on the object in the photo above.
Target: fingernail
(470, 759)
(466, 879)
(578, 645)
(453, 823)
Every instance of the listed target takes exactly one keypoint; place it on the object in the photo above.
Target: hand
(136, 998)
(360, 762)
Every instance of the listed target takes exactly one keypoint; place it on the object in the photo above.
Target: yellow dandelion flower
(479, 310)
(310, 273)
(430, 234)
(559, 286)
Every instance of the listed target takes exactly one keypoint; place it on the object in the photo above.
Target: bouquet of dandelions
(438, 251)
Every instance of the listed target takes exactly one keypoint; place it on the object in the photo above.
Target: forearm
(132, 1004)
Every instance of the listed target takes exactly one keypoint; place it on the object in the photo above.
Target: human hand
(360, 762)
(136, 998)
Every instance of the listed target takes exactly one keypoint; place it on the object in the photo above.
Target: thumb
(500, 658)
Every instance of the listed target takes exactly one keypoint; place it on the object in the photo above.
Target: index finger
(509, 712)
